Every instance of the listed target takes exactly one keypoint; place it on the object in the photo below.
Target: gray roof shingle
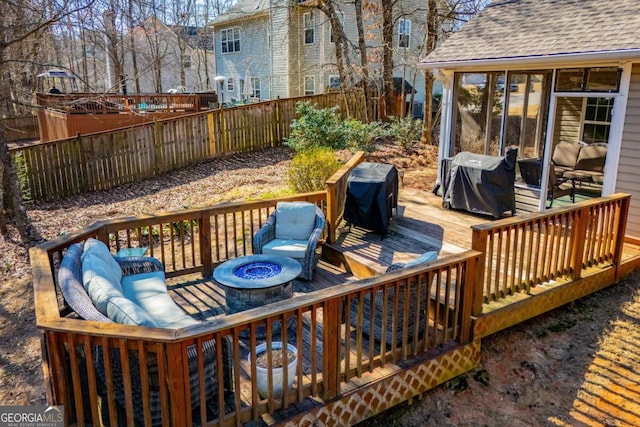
(538, 28)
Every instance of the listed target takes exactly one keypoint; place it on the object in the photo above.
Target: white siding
(628, 180)
(568, 120)
(254, 55)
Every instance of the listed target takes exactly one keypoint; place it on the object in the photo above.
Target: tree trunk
(363, 56)
(387, 56)
(430, 45)
(12, 205)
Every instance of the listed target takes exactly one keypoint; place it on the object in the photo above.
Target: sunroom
(562, 84)
(494, 110)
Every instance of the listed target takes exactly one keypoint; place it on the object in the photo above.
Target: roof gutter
(538, 61)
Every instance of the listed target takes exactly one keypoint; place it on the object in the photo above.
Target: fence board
(104, 160)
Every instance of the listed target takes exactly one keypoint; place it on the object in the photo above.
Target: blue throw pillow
(425, 257)
(131, 252)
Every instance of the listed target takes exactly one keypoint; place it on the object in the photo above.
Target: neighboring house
(534, 73)
(166, 61)
(285, 49)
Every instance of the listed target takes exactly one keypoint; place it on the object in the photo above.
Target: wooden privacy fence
(21, 128)
(337, 194)
(523, 252)
(104, 160)
(428, 308)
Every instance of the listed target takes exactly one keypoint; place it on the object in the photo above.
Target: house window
(309, 31)
(597, 120)
(404, 33)
(255, 87)
(230, 40)
(309, 85)
(230, 86)
(588, 80)
(186, 61)
(334, 82)
(340, 16)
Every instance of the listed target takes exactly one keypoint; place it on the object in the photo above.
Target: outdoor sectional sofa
(579, 161)
(103, 288)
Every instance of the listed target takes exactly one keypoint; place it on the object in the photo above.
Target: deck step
(366, 254)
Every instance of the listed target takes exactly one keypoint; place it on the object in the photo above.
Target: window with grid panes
(597, 120)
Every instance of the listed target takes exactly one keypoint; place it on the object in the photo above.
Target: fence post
(157, 145)
(278, 124)
(478, 243)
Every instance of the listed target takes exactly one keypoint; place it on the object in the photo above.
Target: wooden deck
(419, 225)
(342, 377)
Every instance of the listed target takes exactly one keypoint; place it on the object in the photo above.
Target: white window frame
(228, 42)
(256, 88)
(404, 33)
(311, 79)
(334, 77)
(341, 19)
(596, 122)
(308, 25)
(230, 85)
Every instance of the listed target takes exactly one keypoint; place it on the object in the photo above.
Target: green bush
(315, 128)
(310, 169)
(363, 136)
(406, 130)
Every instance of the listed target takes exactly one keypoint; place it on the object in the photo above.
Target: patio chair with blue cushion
(293, 229)
(394, 324)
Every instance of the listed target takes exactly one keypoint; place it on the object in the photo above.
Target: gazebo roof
(530, 30)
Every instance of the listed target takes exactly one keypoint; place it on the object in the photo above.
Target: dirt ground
(578, 365)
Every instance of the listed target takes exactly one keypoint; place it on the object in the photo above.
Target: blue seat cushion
(126, 312)
(295, 220)
(149, 291)
(101, 274)
(425, 257)
(286, 247)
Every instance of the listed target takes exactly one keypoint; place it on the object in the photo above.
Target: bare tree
(444, 17)
(21, 23)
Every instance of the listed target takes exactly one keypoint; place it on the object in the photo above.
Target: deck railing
(337, 193)
(414, 311)
(99, 161)
(524, 252)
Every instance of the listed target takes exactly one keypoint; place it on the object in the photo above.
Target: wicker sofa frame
(70, 281)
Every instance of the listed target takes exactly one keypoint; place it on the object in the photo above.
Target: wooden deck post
(578, 242)
(177, 374)
(623, 216)
(205, 244)
(479, 244)
(331, 350)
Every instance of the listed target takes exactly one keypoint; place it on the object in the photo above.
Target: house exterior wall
(568, 121)
(253, 56)
(291, 60)
(628, 178)
(162, 43)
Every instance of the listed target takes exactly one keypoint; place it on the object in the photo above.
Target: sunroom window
(481, 101)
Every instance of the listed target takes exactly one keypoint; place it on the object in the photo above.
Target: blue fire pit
(255, 280)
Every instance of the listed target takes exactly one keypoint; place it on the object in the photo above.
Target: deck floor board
(419, 225)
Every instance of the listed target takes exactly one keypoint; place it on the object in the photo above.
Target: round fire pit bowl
(255, 280)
